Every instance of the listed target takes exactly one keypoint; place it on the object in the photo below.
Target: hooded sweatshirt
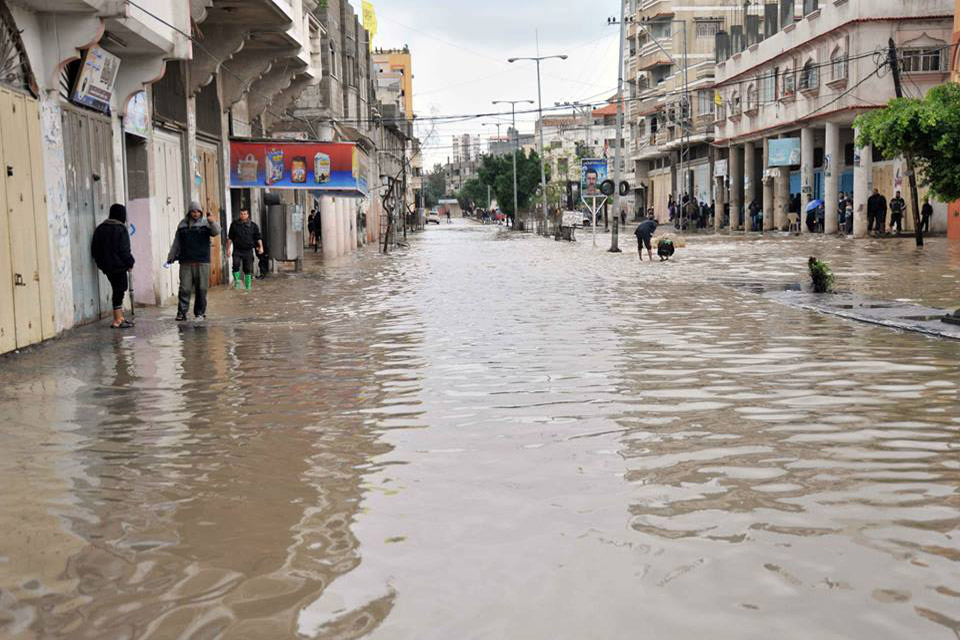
(191, 244)
(111, 243)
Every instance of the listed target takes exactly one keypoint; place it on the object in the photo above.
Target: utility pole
(543, 170)
(513, 114)
(618, 153)
(907, 155)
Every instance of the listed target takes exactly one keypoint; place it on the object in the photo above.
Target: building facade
(790, 83)
(669, 76)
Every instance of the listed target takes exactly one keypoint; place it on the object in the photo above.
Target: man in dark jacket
(243, 238)
(111, 252)
(897, 206)
(926, 212)
(644, 233)
(876, 212)
(191, 248)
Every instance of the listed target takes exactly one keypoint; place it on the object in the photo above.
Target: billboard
(592, 173)
(337, 168)
(784, 152)
(94, 86)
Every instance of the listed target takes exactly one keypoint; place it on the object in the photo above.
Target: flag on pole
(369, 20)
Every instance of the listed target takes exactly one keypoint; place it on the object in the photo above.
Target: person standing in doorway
(111, 252)
(926, 212)
(243, 238)
(644, 233)
(191, 248)
(897, 206)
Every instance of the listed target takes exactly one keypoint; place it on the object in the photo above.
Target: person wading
(111, 251)
(191, 248)
(644, 233)
(243, 238)
(897, 206)
(876, 212)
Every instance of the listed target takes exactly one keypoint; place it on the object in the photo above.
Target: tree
(434, 186)
(928, 128)
(473, 194)
(497, 171)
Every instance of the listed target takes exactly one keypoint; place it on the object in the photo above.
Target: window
(660, 30)
(705, 102)
(809, 77)
(838, 65)
(921, 60)
(789, 81)
(768, 87)
(751, 97)
(707, 28)
(735, 104)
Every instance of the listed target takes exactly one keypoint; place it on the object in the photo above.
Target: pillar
(862, 187)
(720, 199)
(352, 218)
(768, 206)
(736, 184)
(806, 173)
(749, 181)
(328, 227)
(781, 197)
(342, 230)
(832, 163)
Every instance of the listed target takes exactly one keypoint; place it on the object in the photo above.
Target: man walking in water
(243, 238)
(191, 247)
(897, 207)
(111, 252)
(644, 233)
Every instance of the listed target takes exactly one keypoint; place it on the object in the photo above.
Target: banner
(784, 152)
(720, 169)
(337, 168)
(369, 20)
(592, 173)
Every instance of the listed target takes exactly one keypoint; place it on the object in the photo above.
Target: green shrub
(822, 276)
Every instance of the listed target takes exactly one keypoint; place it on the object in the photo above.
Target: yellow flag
(369, 20)
(718, 99)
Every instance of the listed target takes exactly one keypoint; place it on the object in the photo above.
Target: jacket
(645, 228)
(191, 243)
(876, 204)
(244, 236)
(111, 247)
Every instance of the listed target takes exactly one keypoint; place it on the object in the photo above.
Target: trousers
(194, 280)
(118, 284)
(243, 260)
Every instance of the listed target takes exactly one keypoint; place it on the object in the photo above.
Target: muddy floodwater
(496, 436)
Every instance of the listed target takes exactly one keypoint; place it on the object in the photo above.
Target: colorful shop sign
(331, 167)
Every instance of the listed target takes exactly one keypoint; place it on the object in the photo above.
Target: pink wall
(138, 215)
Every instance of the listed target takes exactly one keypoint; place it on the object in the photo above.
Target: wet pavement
(492, 435)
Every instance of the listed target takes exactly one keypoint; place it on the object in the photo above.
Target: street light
(543, 171)
(513, 110)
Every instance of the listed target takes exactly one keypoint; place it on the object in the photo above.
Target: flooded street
(491, 435)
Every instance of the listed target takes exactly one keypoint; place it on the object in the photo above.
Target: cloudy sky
(460, 52)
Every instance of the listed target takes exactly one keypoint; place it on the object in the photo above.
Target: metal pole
(516, 150)
(683, 131)
(618, 155)
(543, 170)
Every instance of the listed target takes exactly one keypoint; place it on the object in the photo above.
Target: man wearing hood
(191, 247)
(111, 252)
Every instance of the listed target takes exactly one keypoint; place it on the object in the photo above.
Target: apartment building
(792, 76)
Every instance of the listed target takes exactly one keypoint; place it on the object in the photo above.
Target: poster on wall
(784, 152)
(336, 168)
(94, 85)
(137, 121)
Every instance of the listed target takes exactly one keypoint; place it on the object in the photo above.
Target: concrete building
(793, 76)
(117, 102)
(669, 60)
(505, 145)
(393, 78)
(953, 214)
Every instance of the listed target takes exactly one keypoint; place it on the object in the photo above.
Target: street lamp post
(543, 170)
(513, 114)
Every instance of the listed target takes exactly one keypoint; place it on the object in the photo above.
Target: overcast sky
(460, 50)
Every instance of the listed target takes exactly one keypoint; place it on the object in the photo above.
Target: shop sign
(94, 85)
(784, 152)
(332, 168)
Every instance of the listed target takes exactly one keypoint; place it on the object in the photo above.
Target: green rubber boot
(248, 281)
(236, 279)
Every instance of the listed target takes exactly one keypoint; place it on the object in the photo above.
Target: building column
(328, 227)
(719, 200)
(781, 197)
(862, 186)
(736, 184)
(344, 227)
(806, 173)
(768, 206)
(831, 178)
(352, 219)
(749, 181)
